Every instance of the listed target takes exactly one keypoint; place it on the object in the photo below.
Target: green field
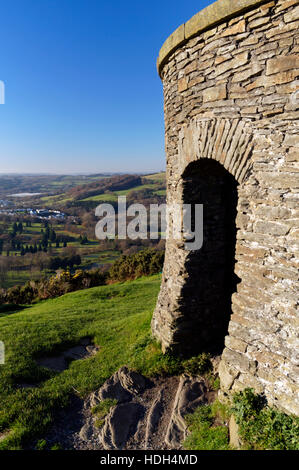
(157, 177)
(91, 254)
(115, 194)
(116, 317)
(154, 182)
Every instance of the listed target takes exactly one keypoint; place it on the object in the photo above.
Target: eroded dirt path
(149, 414)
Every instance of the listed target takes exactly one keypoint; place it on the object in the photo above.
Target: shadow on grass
(8, 309)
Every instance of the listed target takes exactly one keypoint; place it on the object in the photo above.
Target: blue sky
(81, 89)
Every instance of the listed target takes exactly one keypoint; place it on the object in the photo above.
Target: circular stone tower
(230, 78)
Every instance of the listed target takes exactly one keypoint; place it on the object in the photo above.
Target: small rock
(131, 381)
(234, 439)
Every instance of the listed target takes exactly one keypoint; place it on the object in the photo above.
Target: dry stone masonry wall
(231, 94)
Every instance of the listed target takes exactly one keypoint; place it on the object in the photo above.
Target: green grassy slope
(117, 317)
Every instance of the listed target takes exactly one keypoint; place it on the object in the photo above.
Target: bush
(143, 263)
(198, 365)
(62, 283)
(262, 427)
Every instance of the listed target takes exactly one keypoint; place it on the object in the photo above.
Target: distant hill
(113, 183)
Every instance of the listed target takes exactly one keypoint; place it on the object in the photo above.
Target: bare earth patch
(61, 362)
(149, 413)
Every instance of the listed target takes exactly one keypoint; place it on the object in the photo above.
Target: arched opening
(205, 300)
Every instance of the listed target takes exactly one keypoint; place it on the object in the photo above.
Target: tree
(52, 236)
(4, 268)
(84, 240)
(20, 227)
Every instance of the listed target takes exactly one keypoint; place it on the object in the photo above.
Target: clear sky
(82, 92)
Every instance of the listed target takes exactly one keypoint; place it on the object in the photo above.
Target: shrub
(143, 263)
(198, 365)
(262, 427)
(62, 283)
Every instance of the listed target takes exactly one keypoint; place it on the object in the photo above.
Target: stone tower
(231, 93)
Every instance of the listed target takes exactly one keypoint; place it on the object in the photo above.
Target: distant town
(8, 209)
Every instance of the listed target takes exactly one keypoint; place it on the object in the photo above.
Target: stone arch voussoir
(228, 141)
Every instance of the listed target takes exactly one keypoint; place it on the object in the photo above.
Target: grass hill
(116, 317)
(108, 189)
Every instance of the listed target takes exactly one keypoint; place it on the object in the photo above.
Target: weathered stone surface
(280, 64)
(242, 76)
(231, 114)
(272, 228)
(238, 61)
(227, 374)
(176, 38)
(215, 12)
(277, 79)
(292, 15)
(234, 438)
(239, 27)
(215, 93)
(258, 22)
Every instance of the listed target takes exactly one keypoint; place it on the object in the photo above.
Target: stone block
(215, 93)
(182, 84)
(291, 140)
(238, 61)
(281, 64)
(258, 22)
(236, 344)
(237, 28)
(292, 15)
(253, 70)
(227, 375)
(234, 438)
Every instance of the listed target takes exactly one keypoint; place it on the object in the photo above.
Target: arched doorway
(205, 300)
